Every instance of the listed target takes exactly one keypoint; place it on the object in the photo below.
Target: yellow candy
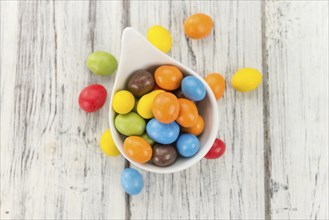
(160, 38)
(144, 105)
(246, 79)
(107, 144)
(123, 102)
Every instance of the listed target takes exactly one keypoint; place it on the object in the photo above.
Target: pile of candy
(167, 115)
(157, 112)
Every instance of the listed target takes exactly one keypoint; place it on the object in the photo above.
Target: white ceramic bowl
(137, 53)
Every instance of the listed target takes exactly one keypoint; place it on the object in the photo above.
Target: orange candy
(137, 149)
(197, 128)
(188, 114)
(165, 107)
(216, 83)
(198, 26)
(168, 77)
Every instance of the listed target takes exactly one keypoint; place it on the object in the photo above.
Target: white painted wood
(233, 186)
(51, 165)
(297, 53)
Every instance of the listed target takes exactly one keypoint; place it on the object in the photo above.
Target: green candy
(148, 139)
(130, 124)
(101, 63)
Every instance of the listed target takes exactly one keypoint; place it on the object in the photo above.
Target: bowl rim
(187, 71)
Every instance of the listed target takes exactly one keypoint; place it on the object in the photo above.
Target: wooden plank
(51, 166)
(9, 24)
(297, 55)
(231, 187)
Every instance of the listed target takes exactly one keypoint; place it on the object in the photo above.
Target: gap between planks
(126, 23)
(266, 117)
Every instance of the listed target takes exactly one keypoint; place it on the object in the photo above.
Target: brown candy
(140, 83)
(164, 155)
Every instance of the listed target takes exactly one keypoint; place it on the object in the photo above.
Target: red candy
(92, 98)
(217, 150)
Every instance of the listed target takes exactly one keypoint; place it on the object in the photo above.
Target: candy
(165, 107)
(148, 139)
(198, 26)
(140, 83)
(164, 155)
(187, 145)
(197, 128)
(246, 79)
(123, 102)
(162, 133)
(137, 149)
(92, 98)
(217, 149)
(168, 77)
(107, 144)
(144, 106)
(131, 181)
(193, 88)
(216, 83)
(101, 63)
(158, 114)
(160, 38)
(188, 113)
(130, 124)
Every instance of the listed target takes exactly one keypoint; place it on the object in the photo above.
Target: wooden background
(276, 163)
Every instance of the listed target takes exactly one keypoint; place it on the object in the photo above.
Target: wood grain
(231, 187)
(51, 166)
(297, 54)
(276, 163)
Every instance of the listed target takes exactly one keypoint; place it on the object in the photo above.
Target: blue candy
(193, 88)
(131, 181)
(187, 145)
(162, 133)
